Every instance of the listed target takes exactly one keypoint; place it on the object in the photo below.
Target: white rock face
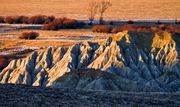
(131, 61)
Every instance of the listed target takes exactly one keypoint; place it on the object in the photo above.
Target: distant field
(121, 9)
(49, 38)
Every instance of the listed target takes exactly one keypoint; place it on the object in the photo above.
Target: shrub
(20, 19)
(17, 19)
(177, 21)
(125, 27)
(38, 19)
(169, 28)
(111, 22)
(50, 26)
(130, 22)
(14, 19)
(2, 19)
(102, 28)
(9, 19)
(25, 19)
(81, 24)
(158, 22)
(50, 19)
(70, 24)
(162, 27)
(3, 63)
(154, 29)
(116, 30)
(132, 28)
(29, 35)
(41, 19)
(55, 25)
(62, 23)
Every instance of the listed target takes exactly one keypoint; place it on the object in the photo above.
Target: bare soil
(26, 96)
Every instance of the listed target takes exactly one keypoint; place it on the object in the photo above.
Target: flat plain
(121, 9)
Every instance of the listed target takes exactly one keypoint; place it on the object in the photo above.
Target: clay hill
(127, 61)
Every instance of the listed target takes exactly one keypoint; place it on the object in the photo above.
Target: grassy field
(121, 9)
(49, 38)
(60, 33)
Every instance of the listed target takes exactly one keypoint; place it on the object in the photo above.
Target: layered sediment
(127, 61)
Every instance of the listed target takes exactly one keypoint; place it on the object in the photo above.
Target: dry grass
(48, 38)
(14, 43)
(61, 33)
(121, 9)
(6, 43)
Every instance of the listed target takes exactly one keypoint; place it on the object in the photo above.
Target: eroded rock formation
(128, 61)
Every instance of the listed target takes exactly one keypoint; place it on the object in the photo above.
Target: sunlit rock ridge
(127, 61)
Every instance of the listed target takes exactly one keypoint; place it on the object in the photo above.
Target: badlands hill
(127, 61)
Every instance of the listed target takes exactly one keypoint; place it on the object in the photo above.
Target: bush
(162, 27)
(20, 19)
(50, 26)
(50, 22)
(23, 19)
(29, 35)
(16, 19)
(70, 24)
(169, 28)
(102, 28)
(132, 28)
(177, 21)
(62, 23)
(116, 30)
(50, 19)
(3, 63)
(81, 24)
(41, 19)
(125, 27)
(55, 25)
(2, 19)
(158, 22)
(111, 22)
(38, 19)
(9, 19)
(130, 22)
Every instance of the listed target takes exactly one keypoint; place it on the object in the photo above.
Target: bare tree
(92, 9)
(102, 7)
